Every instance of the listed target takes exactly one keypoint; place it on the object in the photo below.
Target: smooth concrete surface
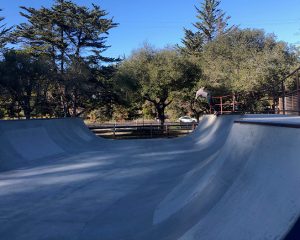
(229, 179)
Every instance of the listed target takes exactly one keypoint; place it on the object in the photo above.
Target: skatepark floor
(234, 177)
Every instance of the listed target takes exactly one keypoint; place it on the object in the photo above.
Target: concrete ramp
(234, 177)
(22, 142)
(259, 176)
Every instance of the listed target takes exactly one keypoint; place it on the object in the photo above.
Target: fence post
(221, 104)
(283, 97)
(115, 129)
(292, 99)
(233, 103)
(167, 130)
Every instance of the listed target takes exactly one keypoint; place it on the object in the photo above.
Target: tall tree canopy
(24, 79)
(158, 74)
(71, 35)
(4, 31)
(247, 61)
(67, 30)
(211, 22)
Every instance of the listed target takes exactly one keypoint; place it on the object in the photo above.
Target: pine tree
(211, 23)
(193, 42)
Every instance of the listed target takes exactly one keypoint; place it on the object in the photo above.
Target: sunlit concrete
(226, 180)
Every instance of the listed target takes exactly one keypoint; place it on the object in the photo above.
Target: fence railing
(226, 104)
(289, 102)
(118, 131)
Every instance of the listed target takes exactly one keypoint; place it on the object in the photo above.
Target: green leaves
(157, 75)
(4, 33)
(211, 23)
(24, 78)
(65, 30)
(239, 60)
(74, 37)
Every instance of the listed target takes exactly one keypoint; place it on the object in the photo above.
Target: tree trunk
(74, 103)
(27, 110)
(160, 108)
(27, 113)
(197, 115)
(63, 86)
(26, 106)
(274, 104)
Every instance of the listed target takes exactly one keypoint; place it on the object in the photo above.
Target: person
(202, 92)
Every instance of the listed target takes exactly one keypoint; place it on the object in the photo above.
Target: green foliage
(192, 43)
(248, 62)
(245, 60)
(185, 103)
(23, 78)
(157, 74)
(60, 69)
(211, 23)
(75, 38)
(66, 30)
(4, 33)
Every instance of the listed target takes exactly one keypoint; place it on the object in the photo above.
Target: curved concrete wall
(224, 181)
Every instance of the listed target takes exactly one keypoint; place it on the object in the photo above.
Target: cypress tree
(4, 31)
(73, 36)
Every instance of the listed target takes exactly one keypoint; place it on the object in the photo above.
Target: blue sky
(161, 22)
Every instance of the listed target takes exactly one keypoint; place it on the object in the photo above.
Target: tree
(192, 43)
(211, 23)
(23, 78)
(248, 62)
(4, 32)
(127, 90)
(158, 74)
(4, 36)
(102, 91)
(71, 35)
(185, 102)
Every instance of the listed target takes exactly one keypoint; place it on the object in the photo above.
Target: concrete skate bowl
(235, 177)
